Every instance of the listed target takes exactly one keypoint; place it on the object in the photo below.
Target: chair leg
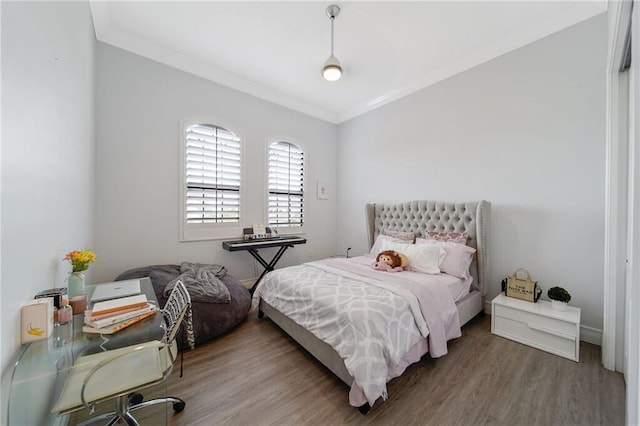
(127, 417)
(124, 410)
(131, 421)
(178, 404)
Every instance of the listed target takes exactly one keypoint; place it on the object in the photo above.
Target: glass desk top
(42, 367)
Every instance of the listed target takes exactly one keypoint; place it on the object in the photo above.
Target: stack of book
(113, 315)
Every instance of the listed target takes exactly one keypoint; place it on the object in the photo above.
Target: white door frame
(621, 339)
(616, 189)
(632, 309)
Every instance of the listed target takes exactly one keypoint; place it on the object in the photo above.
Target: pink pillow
(452, 237)
(402, 235)
(457, 259)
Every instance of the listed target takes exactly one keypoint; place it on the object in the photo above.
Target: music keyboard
(262, 243)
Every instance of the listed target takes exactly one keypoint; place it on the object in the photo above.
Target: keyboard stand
(252, 246)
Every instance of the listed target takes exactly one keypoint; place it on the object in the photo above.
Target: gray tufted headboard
(423, 215)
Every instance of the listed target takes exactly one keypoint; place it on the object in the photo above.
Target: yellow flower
(80, 260)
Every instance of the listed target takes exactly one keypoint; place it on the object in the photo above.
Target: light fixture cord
(332, 19)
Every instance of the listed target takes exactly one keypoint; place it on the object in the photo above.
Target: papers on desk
(113, 315)
(123, 370)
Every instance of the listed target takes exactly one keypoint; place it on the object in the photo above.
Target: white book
(119, 304)
(103, 322)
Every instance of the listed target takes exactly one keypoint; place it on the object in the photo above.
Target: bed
(336, 308)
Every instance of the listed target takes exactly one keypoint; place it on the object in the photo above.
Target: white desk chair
(118, 373)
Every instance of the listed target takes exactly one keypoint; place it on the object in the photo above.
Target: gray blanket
(203, 282)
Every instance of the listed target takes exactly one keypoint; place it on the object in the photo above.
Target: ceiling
(275, 50)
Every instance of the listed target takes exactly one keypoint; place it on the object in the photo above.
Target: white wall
(526, 132)
(47, 152)
(139, 107)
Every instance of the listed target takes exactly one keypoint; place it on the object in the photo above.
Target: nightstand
(537, 325)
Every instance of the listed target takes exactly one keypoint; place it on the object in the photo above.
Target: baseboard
(587, 334)
(591, 335)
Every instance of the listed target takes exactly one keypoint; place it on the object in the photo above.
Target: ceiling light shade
(332, 70)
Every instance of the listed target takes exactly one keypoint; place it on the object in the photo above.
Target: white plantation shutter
(212, 175)
(286, 184)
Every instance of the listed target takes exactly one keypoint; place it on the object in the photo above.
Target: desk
(252, 246)
(43, 366)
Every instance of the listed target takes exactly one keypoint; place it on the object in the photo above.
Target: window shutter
(286, 184)
(212, 175)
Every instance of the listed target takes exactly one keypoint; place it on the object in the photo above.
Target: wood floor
(256, 375)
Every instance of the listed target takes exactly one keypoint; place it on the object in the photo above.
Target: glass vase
(75, 284)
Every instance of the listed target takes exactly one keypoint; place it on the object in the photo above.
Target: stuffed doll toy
(391, 261)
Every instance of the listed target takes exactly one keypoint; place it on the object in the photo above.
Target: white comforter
(371, 318)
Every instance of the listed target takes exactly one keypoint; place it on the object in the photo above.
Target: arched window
(212, 180)
(286, 185)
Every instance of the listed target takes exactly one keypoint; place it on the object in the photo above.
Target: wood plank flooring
(257, 375)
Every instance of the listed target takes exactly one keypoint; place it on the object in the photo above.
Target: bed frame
(418, 217)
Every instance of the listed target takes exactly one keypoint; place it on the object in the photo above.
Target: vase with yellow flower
(80, 261)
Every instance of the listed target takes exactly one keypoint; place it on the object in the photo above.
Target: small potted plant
(559, 298)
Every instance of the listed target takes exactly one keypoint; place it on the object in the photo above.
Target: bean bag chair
(209, 319)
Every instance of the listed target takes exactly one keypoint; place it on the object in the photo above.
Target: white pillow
(425, 258)
(383, 239)
(458, 257)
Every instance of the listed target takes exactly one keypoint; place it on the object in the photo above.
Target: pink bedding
(349, 305)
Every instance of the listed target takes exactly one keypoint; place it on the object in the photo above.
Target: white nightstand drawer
(537, 325)
(538, 337)
(535, 319)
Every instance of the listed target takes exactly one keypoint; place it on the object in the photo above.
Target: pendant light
(332, 70)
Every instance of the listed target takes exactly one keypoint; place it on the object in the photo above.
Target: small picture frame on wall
(323, 191)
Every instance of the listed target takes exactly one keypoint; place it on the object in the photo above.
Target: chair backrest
(178, 304)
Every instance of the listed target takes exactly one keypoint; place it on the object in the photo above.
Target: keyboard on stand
(253, 245)
(262, 243)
